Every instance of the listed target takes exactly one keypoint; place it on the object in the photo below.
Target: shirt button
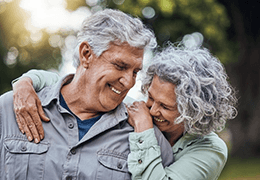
(24, 148)
(119, 166)
(73, 151)
(68, 178)
(140, 161)
(71, 125)
(140, 141)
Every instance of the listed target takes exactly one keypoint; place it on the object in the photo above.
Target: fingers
(29, 125)
(28, 110)
(29, 122)
(37, 129)
(41, 113)
(20, 125)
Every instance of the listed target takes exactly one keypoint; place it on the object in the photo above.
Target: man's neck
(76, 103)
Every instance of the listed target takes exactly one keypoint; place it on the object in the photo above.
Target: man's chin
(110, 106)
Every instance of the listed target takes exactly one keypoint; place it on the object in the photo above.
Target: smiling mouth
(158, 120)
(115, 90)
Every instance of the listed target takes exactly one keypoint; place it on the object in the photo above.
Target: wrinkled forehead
(126, 52)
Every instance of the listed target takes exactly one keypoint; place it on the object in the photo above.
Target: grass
(241, 169)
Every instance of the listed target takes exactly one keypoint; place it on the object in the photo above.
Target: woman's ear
(85, 54)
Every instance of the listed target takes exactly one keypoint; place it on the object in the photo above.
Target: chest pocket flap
(24, 146)
(113, 160)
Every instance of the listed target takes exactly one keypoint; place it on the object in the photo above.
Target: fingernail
(41, 136)
(36, 140)
(30, 138)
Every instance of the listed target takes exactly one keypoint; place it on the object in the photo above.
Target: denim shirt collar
(50, 93)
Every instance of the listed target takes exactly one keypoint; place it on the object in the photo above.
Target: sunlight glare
(52, 15)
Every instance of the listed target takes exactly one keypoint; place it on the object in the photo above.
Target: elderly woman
(189, 99)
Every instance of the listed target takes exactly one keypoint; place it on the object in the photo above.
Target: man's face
(112, 75)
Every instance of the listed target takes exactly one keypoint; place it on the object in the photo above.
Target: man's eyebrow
(122, 63)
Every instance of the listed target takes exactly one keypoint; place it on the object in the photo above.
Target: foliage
(17, 41)
(241, 169)
(176, 18)
(173, 19)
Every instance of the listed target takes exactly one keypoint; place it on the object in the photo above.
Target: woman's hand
(28, 110)
(139, 116)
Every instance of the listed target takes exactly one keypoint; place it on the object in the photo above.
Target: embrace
(82, 129)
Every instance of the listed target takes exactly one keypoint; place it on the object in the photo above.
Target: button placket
(71, 125)
(73, 151)
(140, 141)
(140, 161)
(68, 178)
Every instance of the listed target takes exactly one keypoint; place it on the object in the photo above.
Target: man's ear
(85, 54)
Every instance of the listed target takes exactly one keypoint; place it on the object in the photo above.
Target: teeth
(159, 120)
(115, 90)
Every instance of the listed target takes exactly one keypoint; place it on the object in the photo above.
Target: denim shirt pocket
(113, 165)
(24, 159)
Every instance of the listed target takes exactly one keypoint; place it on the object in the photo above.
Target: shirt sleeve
(199, 162)
(40, 78)
(145, 155)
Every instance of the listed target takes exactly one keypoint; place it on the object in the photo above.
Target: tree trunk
(245, 76)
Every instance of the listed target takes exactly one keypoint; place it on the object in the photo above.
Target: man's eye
(120, 67)
(135, 72)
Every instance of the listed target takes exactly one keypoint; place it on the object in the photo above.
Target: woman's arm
(201, 159)
(27, 105)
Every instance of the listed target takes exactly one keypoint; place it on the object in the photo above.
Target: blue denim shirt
(101, 154)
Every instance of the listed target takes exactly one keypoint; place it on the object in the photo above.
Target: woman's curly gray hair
(205, 98)
(110, 25)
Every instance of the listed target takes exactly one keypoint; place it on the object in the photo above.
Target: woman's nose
(154, 110)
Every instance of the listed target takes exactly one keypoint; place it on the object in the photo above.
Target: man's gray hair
(115, 26)
(205, 99)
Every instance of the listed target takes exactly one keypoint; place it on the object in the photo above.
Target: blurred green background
(41, 34)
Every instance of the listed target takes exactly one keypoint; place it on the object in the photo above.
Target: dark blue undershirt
(83, 125)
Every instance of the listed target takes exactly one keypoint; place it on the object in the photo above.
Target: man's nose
(128, 80)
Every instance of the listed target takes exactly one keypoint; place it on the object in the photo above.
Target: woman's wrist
(143, 126)
(22, 81)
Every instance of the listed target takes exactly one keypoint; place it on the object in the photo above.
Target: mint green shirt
(40, 78)
(195, 158)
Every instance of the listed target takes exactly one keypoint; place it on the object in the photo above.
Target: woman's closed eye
(165, 107)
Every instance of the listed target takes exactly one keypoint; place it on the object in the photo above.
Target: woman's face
(163, 107)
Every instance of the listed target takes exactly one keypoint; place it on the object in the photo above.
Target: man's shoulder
(6, 110)
(6, 99)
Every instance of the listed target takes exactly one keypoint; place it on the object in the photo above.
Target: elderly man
(87, 137)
